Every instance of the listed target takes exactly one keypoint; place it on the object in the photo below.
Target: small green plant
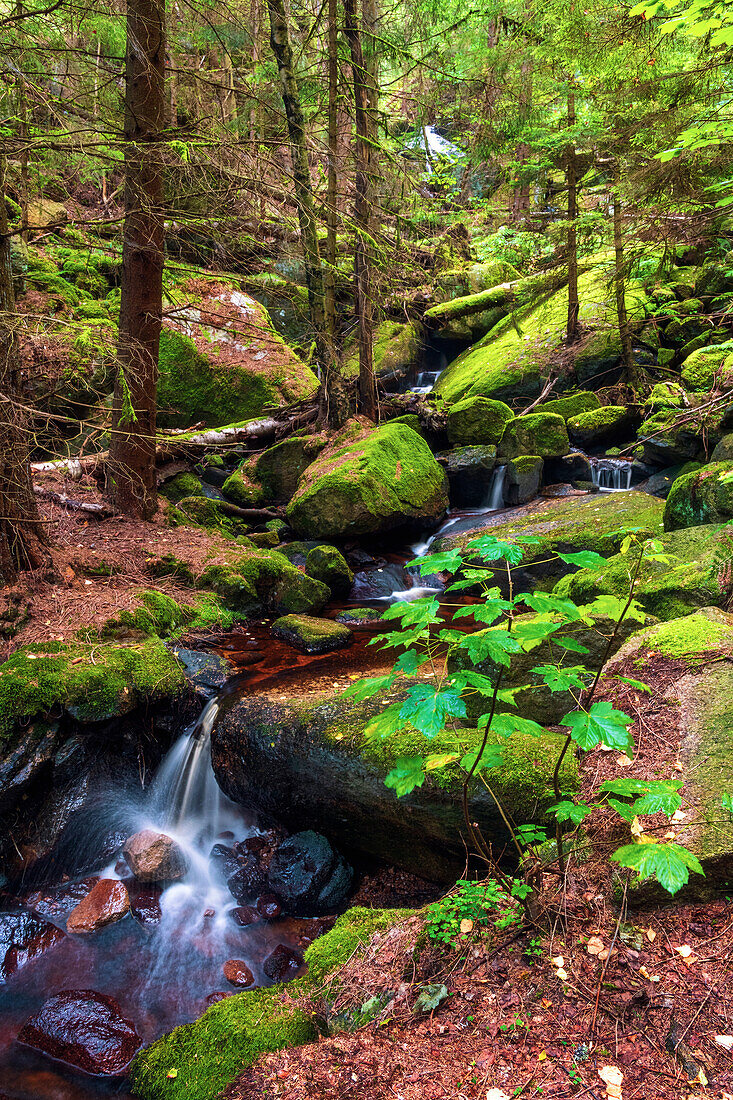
(533, 952)
(472, 907)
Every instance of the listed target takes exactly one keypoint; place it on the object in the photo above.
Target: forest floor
(598, 1000)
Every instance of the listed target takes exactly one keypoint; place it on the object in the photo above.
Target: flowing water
(611, 475)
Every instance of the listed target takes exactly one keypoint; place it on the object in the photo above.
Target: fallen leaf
(624, 761)
(637, 829)
(562, 974)
(496, 1094)
(542, 1056)
(724, 1041)
(679, 815)
(558, 961)
(595, 945)
(651, 935)
(649, 977)
(466, 925)
(612, 1078)
(677, 766)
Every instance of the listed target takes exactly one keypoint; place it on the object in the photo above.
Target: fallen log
(508, 296)
(100, 511)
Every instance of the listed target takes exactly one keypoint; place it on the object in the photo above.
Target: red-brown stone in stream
(105, 903)
(212, 999)
(60, 901)
(238, 973)
(84, 1029)
(245, 914)
(24, 937)
(282, 963)
(154, 857)
(269, 907)
(145, 907)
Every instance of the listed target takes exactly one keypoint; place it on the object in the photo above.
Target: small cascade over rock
(426, 380)
(611, 475)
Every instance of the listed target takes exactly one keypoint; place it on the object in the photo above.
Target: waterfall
(185, 788)
(495, 493)
(426, 379)
(611, 475)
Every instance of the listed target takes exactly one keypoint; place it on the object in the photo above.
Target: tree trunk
(334, 405)
(131, 472)
(362, 217)
(619, 280)
(521, 201)
(571, 176)
(332, 182)
(22, 535)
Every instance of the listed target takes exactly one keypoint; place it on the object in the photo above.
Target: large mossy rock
(260, 582)
(573, 405)
(278, 469)
(310, 634)
(696, 574)
(543, 434)
(470, 472)
(212, 1052)
(708, 368)
(221, 361)
(609, 424)
(312, 762)
(328, 565)
(702, 496)
(477, 421)
(697, 700)
(397, 348)
(367, 481)
(668, 440)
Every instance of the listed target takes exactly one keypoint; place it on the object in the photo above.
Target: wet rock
(245, 883)
(311, 635)
(328, 565)
(214, 998)
(206, 670)
(24, 937)
(282, 963)
(55, 904)
(154, 857)
(223, 860)
(308, 876)
(245, 915)
(359, 616)
(145, 908)
(238, 973)
(269, 907)
(105, 903)
(470, 471)
(84, 1029)
(375, 584)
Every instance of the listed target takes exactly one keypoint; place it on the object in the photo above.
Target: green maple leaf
(600, 724)
(670, 863)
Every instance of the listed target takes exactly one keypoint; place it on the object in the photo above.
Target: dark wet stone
(308, 876)
(84, 1029)
(223, 860)
(58, 903)
(145, 908)
(212, 999)
(269, 907)
(23, 937)
(237, 972)
(245, 915)
(205, 670)
(106, 903)
(154, 857)
(282, 963)
(251, 846)
(247, 881)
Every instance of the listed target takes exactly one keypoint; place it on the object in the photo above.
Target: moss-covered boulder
(328, 565)
(367, 481)
(723, 451)
(470, 473)
(242, 490)
(180, 486)
(91, 683)
(312, 761)
(696, 574)
(311, 635)
(477, 420)
(212, 1052)
(278, 469)
(708, 368)
(540, 433)
(702, 496)
(665, 395)
(397, 347)
(200, 511)
(596, 360)
(222, 361)
(359, 616)
(669, 438)
(599, 427)
(696, 706)
(255, 582)
(523, 479)
(572, 405)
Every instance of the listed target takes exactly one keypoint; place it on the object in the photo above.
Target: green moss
(55, 285)
(168, 565)
(608, 423)
(278, 469)
(541, 433)
(665, 395)
(211, 1052)
(328, 565)
(702, 496)
(703, 369)
(91, 682)
(573, 405)
(242, 490)
(182, 485)
(396, 349)
(477, 420)
(199, 511)
(264, 580)
(366, 482)
(310, 634)
(690, 636)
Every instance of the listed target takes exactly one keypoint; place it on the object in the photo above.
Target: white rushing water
(611, 475)
(425, 381)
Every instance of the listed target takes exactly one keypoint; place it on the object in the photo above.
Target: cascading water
(425, 381)
(611, 475)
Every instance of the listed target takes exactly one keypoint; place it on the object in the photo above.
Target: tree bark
(362, 217)
(23, 538)
(571, 175)
(131, 472)
(334, 404)
(619, 281)
(332, 181)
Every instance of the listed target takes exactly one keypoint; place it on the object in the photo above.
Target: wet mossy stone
(200, 511)
(573, 405)
(368, 481)
(264, 581)
(265, 540)
(359, 616)
(541, 433)
(477, 420)
(92, 683)
(397, 347)
(723, 450)
(327, 564)
(665, 395)
(695, 574)
(596, 362)
(311, 635)
(313, 761)
(180, 486)
(708, 368)
(608, 424)
(242, 490)
(523, 478)
(470, 473)
(213, 1051)
(667, 441)
(308, 876)
(702, 496)
(278, 468)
